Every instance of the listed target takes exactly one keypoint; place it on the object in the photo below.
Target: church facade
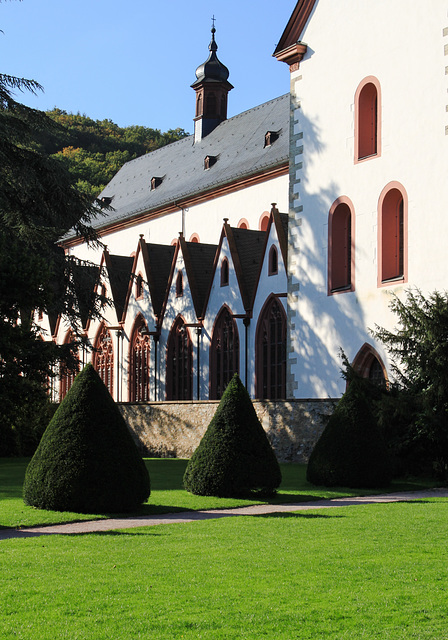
(264, 243)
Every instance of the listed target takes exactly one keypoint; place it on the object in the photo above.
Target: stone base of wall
(174, 429)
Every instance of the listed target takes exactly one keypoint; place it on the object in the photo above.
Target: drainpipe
(156, 342)
(198, 333)
(246, 322)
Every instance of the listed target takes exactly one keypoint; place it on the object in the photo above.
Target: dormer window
(270, 137)
(209, 161)
(156, 182)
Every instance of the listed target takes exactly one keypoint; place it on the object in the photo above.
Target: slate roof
(199, 260)
(158, 259)
(238, 145)
(119, 269)
(247, 249)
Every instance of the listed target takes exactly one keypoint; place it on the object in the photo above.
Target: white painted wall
(402, 44)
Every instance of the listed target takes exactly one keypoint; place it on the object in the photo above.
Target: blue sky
(133, 61)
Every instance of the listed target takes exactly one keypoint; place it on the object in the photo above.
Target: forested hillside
(94, 150)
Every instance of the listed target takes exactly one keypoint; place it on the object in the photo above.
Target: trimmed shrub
(351, 451)
(234, 458)
(87, 461)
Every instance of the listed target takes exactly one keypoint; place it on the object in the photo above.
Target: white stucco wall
(402, 44)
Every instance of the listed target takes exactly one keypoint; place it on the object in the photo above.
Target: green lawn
(167, 493)
(361, 572)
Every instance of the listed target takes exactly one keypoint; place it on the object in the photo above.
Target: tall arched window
(341, 252)
(273, 261)
(271, 352)
(103, 357)
(179, 285)
(392, 234)
(179, 372)
(264, 221)
(224, 353)
(367, 119)
(140, 361)
(66, 376)
(224, 272)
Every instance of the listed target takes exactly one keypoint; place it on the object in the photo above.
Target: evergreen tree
(419, 352)
(234, 457)
(87, 460)
(351, 451)
(38, 204)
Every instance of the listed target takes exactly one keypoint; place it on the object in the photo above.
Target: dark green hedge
(351, 451)
(87, 460)
(234, 458)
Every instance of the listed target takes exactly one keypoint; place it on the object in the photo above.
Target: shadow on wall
(320, 324)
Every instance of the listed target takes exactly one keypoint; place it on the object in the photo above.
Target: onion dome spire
(211, 86)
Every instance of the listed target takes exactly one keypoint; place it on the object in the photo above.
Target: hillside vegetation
(94, 150)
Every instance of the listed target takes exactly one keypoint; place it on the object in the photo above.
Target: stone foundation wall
(174, 429)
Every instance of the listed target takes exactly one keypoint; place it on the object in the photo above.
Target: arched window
(367, 119)
(210, 105)
(224, 353)
(103, 357)
(392, 234)
(224, 272)
(264, 221)
(368, 364)
(179, 285)
(243, 224)
(273, 261)
(179, 372)
(194, 238)
(341, 246)
(271, 352)
(140, 361)
(66, 376)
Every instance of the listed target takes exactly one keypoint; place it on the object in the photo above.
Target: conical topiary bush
(87, 460)
(234, 457)
(351, 451)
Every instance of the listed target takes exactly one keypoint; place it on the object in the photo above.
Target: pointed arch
(103, 357)
(224, 352)
(368, 364)
(139, 378)
(270, 351)
(179, 366)
(273, 261)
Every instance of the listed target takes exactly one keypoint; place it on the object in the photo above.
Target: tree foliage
(87, 460)
(38, 203)
(419, 350)
(234, 457)
(93, 151)
(351, 451)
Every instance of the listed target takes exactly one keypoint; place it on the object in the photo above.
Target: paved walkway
(110, 524)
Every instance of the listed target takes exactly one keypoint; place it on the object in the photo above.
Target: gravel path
(94, 526)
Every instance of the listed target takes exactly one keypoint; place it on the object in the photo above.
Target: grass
(167, 494)
(365, 572)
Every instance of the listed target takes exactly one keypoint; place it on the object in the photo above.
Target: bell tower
(211, 88)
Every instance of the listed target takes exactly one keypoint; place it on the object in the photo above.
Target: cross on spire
(213, 22)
